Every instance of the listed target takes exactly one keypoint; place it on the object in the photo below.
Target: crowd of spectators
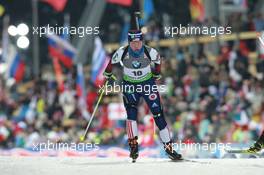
(219, 101)
(207, 99)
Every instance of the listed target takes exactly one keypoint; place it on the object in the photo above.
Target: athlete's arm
(155, 58)
(116, 58)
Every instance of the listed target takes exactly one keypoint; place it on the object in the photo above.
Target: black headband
(135, 35)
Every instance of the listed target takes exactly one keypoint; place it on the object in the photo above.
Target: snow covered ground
(10, 165)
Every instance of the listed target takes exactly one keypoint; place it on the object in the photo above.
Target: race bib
(137, 74)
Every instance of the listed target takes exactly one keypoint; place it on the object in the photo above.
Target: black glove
(157, 76)
(109, 76)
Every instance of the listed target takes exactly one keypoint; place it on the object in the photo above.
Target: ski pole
(82, 138)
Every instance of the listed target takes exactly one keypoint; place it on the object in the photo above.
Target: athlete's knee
(160, 120)
(131, 109)
(157, 112)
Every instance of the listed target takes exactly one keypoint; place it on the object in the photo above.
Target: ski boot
(258, 145)
(133, 144)
(172, 154)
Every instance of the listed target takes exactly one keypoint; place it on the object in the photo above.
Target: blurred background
(49, 83)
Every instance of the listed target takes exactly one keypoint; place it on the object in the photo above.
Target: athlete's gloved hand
(157, 76)
(109, 76)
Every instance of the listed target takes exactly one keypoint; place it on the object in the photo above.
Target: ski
(190, 160)
(241, 151)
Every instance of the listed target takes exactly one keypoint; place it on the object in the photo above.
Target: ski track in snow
(123, 166)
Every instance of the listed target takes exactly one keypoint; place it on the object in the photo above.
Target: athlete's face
(135, 45)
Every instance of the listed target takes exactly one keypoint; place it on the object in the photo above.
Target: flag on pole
(58, 5)
(80, 81)
(58, 74)
(148, 10)
(61, 49)
(17, 68)
(81, 93)
(15, 64)
(99, 62)
(197, 10)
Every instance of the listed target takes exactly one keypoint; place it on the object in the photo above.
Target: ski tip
(240, 151)
(190, 161)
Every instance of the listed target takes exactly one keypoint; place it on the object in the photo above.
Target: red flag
(17, 68)
(58, 5)
(20, 72)
(99, 63)
(58, 74)
(61, 49)
(121, 2)
(197, 10)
